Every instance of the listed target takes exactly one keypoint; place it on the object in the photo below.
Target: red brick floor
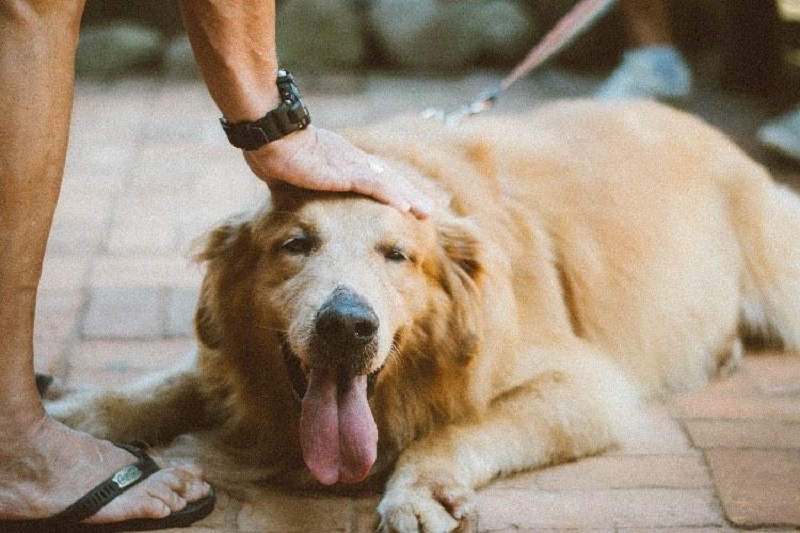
(149, 171)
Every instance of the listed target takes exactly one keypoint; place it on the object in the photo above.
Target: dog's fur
(580, 258)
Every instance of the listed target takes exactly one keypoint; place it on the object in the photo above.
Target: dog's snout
(346, 320)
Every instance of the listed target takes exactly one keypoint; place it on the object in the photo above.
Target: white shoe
(651, 72)
(783, 134)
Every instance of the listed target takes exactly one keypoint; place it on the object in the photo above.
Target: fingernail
(424, 208)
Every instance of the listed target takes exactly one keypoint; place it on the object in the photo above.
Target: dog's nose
(346, 320)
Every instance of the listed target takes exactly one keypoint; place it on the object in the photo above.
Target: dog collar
(291, 115)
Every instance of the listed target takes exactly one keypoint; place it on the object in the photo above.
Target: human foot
(783, 134)
(49, 467)
(650, 72)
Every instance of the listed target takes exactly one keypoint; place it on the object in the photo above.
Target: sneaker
(651, 72)
(783, 134)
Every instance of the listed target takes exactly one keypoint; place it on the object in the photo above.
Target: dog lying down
(581, 258)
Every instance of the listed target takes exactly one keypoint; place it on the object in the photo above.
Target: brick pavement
(149, 171)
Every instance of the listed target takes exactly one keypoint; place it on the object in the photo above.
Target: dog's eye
(301, 245)
(395, 254)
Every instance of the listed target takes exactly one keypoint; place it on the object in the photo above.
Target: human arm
(234, 45)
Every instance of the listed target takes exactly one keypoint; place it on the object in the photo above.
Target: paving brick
(145, 354)
(147, 223)
(64, 272)
(753, 408)
(146, 235)
(69, 237)
(764, 434)
(104, 363)
(130, 100)
(775, 373)
(201, 529)
(181, 305)
(501, 509)
(100, 378)
(56, 326)
(758, 487)
(737, 397)
(165, 167)
(614, 472)
(91, 170)
(737, 383)
(224, 516)
(125, 312)
(186, 101)
(227, 185)
(171, 270)
(57, 313)
(715, 529)
(80, 223)
(367, 518)
(277, 512)
(49, 356)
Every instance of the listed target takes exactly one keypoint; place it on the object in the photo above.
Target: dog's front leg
(154, 409)
(562, 414)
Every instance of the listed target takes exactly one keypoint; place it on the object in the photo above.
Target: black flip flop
(68, 520)
(43, 382)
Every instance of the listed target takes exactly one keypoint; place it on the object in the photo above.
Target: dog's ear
(461, 246)
(224, 240)
(461, 269)
(226, 250)
(207, 324)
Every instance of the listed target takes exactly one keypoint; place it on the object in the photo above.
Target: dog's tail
(767, 219)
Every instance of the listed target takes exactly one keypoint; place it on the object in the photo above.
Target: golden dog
(580, 258)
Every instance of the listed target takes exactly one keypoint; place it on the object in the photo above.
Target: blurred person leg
(751, 51)
(652, 68)
(782, 134)
(44, 466)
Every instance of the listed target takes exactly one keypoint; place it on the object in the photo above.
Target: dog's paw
(70, 410)
(80, 411)
(428, 507)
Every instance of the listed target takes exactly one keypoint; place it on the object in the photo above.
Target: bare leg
(647, 22)
(44, 466)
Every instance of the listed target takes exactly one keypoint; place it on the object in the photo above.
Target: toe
(193, 487)
(156, 497)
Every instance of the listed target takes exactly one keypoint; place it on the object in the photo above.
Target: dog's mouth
(299, 381)
(338, 434)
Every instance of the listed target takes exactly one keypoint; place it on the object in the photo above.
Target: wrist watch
(291, 115)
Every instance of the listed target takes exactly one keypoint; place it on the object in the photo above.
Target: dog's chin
(338, 435)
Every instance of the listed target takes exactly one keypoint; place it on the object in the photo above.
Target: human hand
(318, 159)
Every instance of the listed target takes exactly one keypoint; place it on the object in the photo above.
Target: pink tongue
(338, 435)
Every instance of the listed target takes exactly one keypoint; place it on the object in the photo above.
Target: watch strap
(291, 115)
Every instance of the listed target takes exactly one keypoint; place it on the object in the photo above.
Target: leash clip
(580, 18)
(484, 101)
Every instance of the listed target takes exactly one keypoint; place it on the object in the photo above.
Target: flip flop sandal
(68, 520)
(43, 382)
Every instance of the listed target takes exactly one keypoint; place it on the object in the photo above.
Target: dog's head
(342, 286)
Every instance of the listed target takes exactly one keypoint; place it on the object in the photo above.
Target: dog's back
(667, 239)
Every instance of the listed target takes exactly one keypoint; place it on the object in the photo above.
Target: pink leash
(579, 19)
